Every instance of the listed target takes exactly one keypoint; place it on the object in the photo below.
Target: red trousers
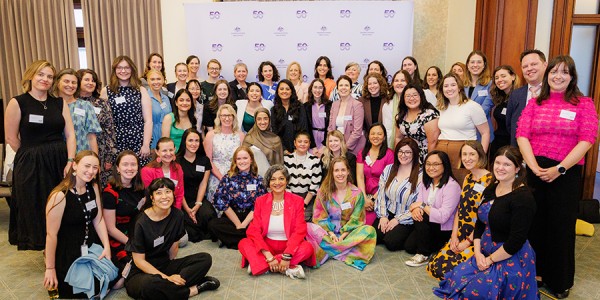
(304, 254)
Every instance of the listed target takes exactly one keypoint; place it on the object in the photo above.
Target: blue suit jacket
(516, 103)
(486, 103)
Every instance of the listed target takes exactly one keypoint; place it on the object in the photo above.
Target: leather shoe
(208, 283)
(562, 295)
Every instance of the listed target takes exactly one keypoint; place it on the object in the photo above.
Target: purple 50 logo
(301, 14)
(217, 47)
(302, 46)
(214, 14)
(345, 46)
(388, 46)
(257, 14)
(389, 13)
(345, 13)
(259, 47)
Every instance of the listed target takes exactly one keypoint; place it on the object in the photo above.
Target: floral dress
(223, 147)
(470, 198)
(416, 130)
(106, 138)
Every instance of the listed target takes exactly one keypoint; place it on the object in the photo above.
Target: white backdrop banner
(282, 32)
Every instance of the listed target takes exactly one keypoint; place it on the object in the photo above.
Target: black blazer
(309, 122)
(516, 103)
(237, 93)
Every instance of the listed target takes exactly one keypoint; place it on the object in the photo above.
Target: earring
(158, 159)
(516, 175)
(74, 173)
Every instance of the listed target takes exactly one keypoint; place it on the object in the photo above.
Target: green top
(176, 134)
(247, 122)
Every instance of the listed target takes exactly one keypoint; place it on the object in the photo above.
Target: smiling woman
(165, 166)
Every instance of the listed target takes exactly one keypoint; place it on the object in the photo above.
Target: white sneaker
(417, 260)
(296, 272)
(249, 270)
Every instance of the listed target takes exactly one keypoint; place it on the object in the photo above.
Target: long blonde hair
(69, 181)
(328, 186)
(327, 154)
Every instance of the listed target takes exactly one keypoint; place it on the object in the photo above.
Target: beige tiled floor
(387, 277)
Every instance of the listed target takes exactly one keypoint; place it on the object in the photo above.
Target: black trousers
(199, 231)
(426, 238)
(192, 268)
(224, 230)
(552, 233)
(395, 239)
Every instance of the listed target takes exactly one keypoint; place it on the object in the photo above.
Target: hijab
(268, 142)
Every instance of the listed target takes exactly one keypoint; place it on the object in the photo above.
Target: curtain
(33, 30)
(120, 27)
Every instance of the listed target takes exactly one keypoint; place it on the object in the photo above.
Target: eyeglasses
(226, 116)
(214, 69)
(123, 68)
(411, 96)
(432, 165)
(404, 153)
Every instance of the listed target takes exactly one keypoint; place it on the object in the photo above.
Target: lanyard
(87, 213)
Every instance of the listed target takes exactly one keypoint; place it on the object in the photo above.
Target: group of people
(462, 170)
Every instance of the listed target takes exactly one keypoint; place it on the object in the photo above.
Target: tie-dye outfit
(339, 216)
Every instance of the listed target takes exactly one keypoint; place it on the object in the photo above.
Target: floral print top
(239, 192)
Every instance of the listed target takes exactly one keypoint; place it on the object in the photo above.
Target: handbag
(589, 210)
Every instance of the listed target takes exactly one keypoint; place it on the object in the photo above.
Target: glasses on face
(405, 153)
(432, 165)
(127, 68)
(227, 116)
(411, 96)
(214, 69)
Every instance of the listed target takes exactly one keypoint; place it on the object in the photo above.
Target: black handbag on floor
(589, 210)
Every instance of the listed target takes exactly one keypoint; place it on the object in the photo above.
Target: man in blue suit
(533, 65)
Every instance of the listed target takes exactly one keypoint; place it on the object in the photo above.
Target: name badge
(503, 111)
(322, 115)
(90, 205)
(290, 118)
(251, 187)
(567, 114)
(36, 119)
(141, 203)
(347, 118)
(170, 95)
(163, 105)
(78, 111)
(97, 110)
(120, 100)
(479, 188)
(368, 160)
(199, 168)
(239, 86)
(159, 241)
(482, 93)
(84, 250)
(346, 205)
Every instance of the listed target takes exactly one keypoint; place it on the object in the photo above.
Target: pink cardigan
(149, 174)
(446, 201)
(353, 129)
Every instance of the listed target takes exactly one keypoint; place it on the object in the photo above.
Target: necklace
(277, 206)
(43, 103)
(86, 206)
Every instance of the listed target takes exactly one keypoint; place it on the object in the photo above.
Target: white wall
(461, 29)
(543, 25)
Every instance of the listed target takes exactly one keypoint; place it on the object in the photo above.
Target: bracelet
(49, 268)
(286, 257)
(492, 260)
(198, 203)
(268, 260)
(71, 159)
(469, 239)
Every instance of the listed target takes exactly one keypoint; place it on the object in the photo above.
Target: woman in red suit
(276, 235)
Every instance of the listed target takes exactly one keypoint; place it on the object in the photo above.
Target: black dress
(154, 239)
(193, 174)
(38, 168)
(71, 236)
(286, 124)
(501, 135)
(126, 203)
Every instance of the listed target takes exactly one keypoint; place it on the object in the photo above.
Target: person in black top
(287, 115)
(196, 171)
(122, 200)
(156, 273)
(504, 81)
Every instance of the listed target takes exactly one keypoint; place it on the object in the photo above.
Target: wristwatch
(562, 170)
(423, 205)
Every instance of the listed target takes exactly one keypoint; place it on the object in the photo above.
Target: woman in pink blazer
(164, 165)
(276, 235)
(350, 121)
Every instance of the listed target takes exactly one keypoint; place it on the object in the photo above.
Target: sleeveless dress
(38, 168)
(71, 236)
(470, 199)
(175, 133)
(128, 119)
(223, 147)
(106, 138)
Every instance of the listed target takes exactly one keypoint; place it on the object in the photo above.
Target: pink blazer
(149, 174)
(446, 201)
(293, 221)
(353, 129)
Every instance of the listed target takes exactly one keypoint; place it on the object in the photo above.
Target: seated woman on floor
(235, 197)
(338, 229)
(276, 234)
(156, 273)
